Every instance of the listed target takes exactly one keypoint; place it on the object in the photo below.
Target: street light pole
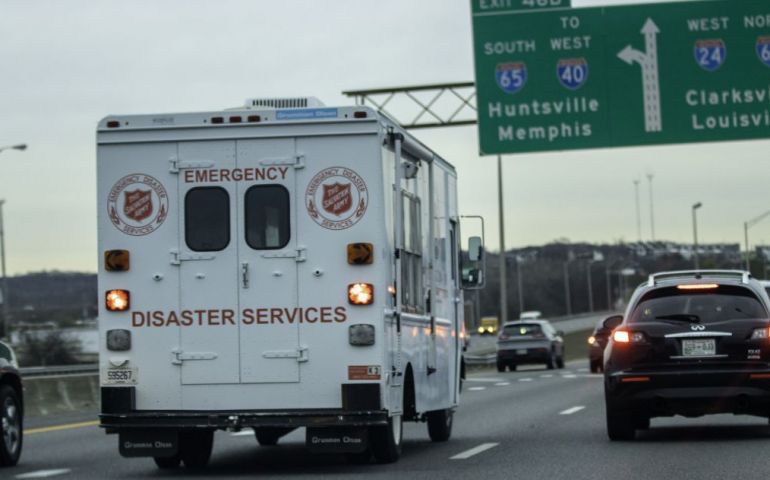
(746, 225)
(638, 212)
(695, 208)
(590, 287)
(4, 284)
(503, 274)
(567, 295)
(652, 210)
(518, 284)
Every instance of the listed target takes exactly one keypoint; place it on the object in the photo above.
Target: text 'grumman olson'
(277, 266)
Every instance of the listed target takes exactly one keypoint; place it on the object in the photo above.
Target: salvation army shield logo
(511, 77)
(336, 198)
(763, 50)
(710, 55)
(137, 204)
(572, 72)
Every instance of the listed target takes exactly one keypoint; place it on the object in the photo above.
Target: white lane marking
(547, 375)
(569, 375)
(566, 372)
(45, 473)
(487, 380)
(582, 369)
(572, 410)
(243, 433)
(502, 384)
(474, 451)
(476, 389)
(525, 379)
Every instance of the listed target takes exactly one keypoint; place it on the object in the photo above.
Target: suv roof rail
(657, 277)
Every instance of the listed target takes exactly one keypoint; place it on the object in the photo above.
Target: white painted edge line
(44, 473)
(477, 389)
(502, 384)
(547, 375)
(572, 410)
(489, 380)
(525, 379)
(474, 451)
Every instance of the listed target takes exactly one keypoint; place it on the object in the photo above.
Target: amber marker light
(360, 293)
(698, 286)
(117, 300)
(621, 336)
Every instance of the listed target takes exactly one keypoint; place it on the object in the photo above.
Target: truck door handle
(245, 274)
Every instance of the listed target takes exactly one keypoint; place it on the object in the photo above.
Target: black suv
(692, 343)
(11, 408)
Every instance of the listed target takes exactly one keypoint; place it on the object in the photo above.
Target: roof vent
(280, 103)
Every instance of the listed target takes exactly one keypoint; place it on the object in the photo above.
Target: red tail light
(621, 336)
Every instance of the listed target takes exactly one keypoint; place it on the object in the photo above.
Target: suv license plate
(120, 376)
(701, 347)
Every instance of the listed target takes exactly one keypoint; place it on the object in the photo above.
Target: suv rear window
(523, 330)
(705, 307)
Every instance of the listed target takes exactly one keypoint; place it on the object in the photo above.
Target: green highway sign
(620, 76)
(498, 6)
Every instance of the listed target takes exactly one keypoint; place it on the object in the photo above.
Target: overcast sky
(67, 64)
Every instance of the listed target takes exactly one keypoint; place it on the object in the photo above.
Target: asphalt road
(534, 424)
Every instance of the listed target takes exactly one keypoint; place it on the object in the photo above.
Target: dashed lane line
(477, 389)
(474, 451)
(547, 375)
(569, 375)
(44, 473)
(56, 428)
(243, 433)
(484, 380)
(572, 410)
(502, 384)
(527, 379)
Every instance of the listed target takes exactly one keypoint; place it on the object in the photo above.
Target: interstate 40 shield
(572, 72)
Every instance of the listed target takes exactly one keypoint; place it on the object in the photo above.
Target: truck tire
(195, 447)
(167, 463)
(267, 437)
(386, 440)
(440, 424)
(11, 428)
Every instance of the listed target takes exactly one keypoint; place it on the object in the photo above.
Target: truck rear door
(268, 256)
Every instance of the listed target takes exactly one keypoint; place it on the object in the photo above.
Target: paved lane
(533, 423)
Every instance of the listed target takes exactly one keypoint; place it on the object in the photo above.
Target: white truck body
(237, 225)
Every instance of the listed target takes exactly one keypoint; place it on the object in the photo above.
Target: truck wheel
(11, 435)
(268, 437)
(620, 425)
(440, 424)
(167, 463)
(386, 440)
(195, 447)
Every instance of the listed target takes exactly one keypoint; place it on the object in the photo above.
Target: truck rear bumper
(242, 419)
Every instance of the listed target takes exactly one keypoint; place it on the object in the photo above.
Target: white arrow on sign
(653, 121)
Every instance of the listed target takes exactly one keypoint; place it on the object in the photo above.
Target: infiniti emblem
(697, 328)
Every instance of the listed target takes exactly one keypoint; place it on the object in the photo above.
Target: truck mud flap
(148, 443)
(337, 439)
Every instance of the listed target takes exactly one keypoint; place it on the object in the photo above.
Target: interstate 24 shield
(710, 55)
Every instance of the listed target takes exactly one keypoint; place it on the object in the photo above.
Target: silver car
(526, 342)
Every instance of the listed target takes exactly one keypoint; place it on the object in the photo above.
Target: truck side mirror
(611, 323)
(475, 249)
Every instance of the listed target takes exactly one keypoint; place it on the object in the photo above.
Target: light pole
(695, 208)
(5, 325)
(652, 210)
(638, 212)
(567, 295)
(503, 274)
(518, 284)
(746, 225)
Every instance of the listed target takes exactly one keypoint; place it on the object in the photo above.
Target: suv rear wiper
(681, 317)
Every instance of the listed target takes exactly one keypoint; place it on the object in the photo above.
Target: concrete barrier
(55, 395)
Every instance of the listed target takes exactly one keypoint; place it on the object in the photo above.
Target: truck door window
(267, 217)
(411, 259)
(207, 219)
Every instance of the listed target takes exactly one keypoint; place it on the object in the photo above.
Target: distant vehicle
(529, 342)
(691, 343)
(11, 408)
(487, 326)
(596, 344)
(530, 315)
(262, 268)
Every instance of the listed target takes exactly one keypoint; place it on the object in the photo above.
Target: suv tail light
(760, 334)
(624, 336)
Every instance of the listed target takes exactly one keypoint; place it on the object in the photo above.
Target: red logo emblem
(138, 204)
(337, 198)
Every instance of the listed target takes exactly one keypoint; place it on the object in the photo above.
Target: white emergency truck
(277, 266)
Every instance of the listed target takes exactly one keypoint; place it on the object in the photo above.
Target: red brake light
(698, 286)
(621, 336)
